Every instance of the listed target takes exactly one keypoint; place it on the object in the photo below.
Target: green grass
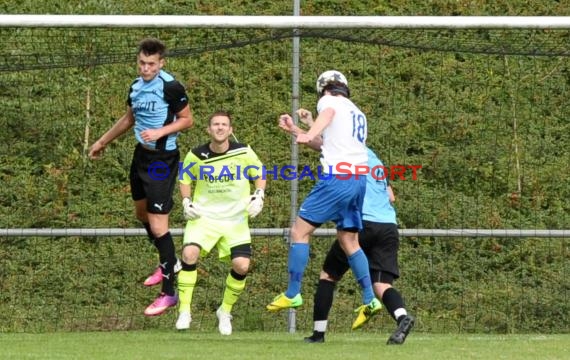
(273, 345)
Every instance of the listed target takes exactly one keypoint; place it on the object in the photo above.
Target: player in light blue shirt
(377, 205)
(157, 109)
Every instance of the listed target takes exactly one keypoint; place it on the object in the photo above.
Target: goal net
(483, 112)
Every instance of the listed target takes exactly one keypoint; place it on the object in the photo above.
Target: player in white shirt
(340, 130)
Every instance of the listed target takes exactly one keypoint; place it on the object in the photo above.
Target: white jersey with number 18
(344, 139)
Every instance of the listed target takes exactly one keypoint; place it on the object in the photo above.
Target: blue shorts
(337, 200)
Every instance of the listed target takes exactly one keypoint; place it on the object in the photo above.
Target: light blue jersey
(155, 104)
(377, 206)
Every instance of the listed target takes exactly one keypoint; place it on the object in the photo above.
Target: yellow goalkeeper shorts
(223, 234)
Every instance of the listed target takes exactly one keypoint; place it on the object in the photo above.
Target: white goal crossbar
(287, 22)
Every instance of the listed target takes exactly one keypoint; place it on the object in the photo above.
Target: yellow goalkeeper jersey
(221, 180)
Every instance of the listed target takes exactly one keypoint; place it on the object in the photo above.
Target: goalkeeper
(379, 240)
(217, 214)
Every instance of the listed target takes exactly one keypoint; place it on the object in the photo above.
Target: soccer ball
(330, 76)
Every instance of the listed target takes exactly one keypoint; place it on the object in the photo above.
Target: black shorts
(380, 242)
(153, 176)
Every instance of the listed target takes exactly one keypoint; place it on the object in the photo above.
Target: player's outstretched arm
(323, 120)
(119, 128)
(286, 123)
(306, 117)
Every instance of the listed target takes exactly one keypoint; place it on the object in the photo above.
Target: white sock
(400, 312)
(320, 325)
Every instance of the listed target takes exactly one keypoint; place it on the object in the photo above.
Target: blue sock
(298, 258)
(359, 265)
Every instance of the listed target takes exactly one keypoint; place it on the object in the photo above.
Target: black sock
(237, 276)
(393, 301)
(166, 251)
(187, 267)
(323, 300)
(149, 232)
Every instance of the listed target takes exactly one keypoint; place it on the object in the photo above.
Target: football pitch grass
(274, 345)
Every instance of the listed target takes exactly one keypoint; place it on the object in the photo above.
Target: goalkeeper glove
(256, 203)
(190, 211)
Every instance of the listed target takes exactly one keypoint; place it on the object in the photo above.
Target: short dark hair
(151, 46)
(220, 113)
(337, 88)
